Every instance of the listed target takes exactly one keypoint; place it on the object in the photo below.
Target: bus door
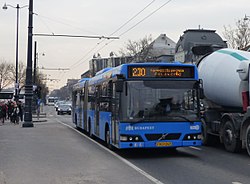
(115, 105)
(80, 109)
(85, 107)
(97, 110)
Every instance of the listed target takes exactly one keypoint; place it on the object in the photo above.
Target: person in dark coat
(2, 111)
(20, 107)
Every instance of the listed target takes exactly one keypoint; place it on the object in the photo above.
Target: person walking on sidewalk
(2, 112)
(10, 105)
(15, 114)
(20, 107)
(38, 108)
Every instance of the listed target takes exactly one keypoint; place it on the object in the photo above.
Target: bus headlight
(190, 137)
(131, 138)
(123, 138)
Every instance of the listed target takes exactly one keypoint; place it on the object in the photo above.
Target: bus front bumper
(159, 144)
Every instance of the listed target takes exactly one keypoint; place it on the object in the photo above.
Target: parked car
(64, 109)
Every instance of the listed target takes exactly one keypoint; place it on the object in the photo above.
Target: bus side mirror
(201, 89)
(119, 86)
(201, 93)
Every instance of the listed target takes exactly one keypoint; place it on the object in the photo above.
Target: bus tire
(75, 121)
(207, 139)
(230, 141)
(107, 138)
(90, 130)
(248, 140)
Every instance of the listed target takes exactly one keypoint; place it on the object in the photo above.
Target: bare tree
(239, 37)
(5, 72)
(21, 73)
(140, 49)
(41, 82)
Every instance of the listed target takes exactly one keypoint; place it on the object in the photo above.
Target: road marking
(151, 178)
(196, 148)
(236, 182)
(41, 123)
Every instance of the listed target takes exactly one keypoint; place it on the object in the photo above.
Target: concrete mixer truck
(226, 109)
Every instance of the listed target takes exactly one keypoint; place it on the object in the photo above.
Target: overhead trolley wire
(132, 18)
(118, 29)
(127, 29)
(63, 23)
(145, 17)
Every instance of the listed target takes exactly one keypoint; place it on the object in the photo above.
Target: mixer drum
(225, 76)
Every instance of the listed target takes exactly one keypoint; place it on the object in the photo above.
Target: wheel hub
(229, 136)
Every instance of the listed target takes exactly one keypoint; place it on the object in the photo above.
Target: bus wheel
(207, 139)
(107, 139)
(90, 130)
(248, 140)
(75, 121)
(231, 142)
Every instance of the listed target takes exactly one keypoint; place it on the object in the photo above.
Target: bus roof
(80, 84)
(123, 70)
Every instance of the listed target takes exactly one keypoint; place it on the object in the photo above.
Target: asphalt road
(55, 152)
(206, 165)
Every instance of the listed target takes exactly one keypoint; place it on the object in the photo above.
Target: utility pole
(35, 63)
(5, 7)
(28, 83)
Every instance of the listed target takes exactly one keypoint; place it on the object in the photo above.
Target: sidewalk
(51, 153)
(37, 155)
(42, 117)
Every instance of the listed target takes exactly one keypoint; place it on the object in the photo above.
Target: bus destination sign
(160, 72)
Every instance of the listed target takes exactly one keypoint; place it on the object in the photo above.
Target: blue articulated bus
(141, 105)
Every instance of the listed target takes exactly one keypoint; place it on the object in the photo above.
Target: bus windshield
(159, 101)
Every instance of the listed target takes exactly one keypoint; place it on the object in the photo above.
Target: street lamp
(28, 83)
(246, 18)
(5, 7)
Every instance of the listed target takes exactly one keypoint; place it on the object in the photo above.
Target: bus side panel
(166, 134)
(82, 120)
(105, 117)
(77, 112)
(91, 118)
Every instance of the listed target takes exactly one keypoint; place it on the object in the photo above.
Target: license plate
(160, 144)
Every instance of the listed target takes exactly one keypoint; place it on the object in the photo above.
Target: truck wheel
(248, 140)
(231, 142)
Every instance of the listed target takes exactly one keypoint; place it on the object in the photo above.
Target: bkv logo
(195, 127)
(129, 128)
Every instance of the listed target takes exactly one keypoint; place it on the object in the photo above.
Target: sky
(103, 18)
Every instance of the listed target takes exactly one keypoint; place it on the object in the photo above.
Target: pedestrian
(38, 108)
(10, 109)
(20, 107)
(4, 109)
(1, 113)
(15, 114)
